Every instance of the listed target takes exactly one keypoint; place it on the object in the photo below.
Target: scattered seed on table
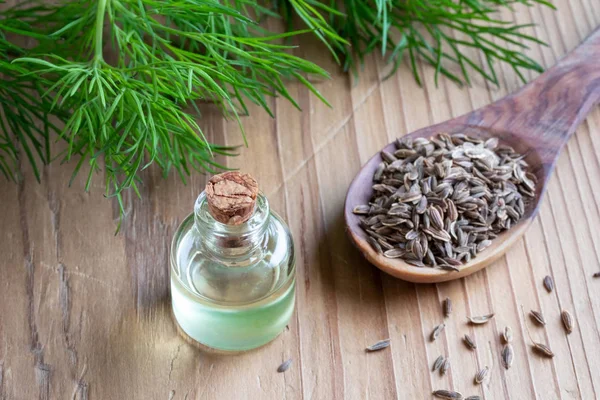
(473, 398)
(567, 320)
(469, 342)
(507, 356)
(507, 335)
(447, 395)
(438, 363)
(537, 317)
(542, 349)
(481, 375)
(445, 367)
(447, 307)
(382, 344)
(479, 320)
(549, 283)
(436, 331)
(596, 275)
(284, 366)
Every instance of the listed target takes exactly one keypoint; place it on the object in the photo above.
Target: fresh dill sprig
(133, 111)
(436, 31)
(24, 125)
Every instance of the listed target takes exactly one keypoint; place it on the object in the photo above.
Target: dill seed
(481, 375)
(394, 253)
(443, 200)
(542, 349)
(481, 319)
(436, 332)
(469, 342)
(438, 363)
(445, 367)
(447, 307)
(375, 244)
(447, 267)
(361, 210)
(567, 321)
(447, 395)
(537, 317)
(382, 344)
(285, 366)
(507, 355)
(507, 335)
(473, 398)
(596, 275)
(549, 283)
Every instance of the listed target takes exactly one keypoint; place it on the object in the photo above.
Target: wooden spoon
(537, 121)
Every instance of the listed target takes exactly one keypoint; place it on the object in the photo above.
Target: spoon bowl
(536, 121)
(360, 193)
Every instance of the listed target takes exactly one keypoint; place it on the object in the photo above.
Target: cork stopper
(231, 197)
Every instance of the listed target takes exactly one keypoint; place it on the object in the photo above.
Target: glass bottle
(232, 285)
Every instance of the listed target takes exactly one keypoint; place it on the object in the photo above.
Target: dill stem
(99, 30)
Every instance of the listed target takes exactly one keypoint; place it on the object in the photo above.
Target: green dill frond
(133, 111)
(436, 31)
(24, 125)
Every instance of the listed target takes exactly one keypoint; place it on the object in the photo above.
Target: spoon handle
(547, 110)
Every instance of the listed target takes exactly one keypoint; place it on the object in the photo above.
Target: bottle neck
(232, 242)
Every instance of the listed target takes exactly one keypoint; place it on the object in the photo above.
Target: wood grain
(85, 314)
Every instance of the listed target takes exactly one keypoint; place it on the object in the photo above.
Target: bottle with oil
(232, 267)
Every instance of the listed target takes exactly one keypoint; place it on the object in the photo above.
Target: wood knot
(231, 197)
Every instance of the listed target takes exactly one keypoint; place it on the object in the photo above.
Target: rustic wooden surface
(85, 314)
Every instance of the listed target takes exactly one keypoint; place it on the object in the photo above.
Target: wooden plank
(361, 309)
(86, 314)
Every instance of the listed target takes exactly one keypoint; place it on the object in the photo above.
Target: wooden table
(85, 314)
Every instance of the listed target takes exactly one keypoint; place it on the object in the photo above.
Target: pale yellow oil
(233, 306)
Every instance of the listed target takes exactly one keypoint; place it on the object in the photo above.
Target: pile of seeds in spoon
(438, 202)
